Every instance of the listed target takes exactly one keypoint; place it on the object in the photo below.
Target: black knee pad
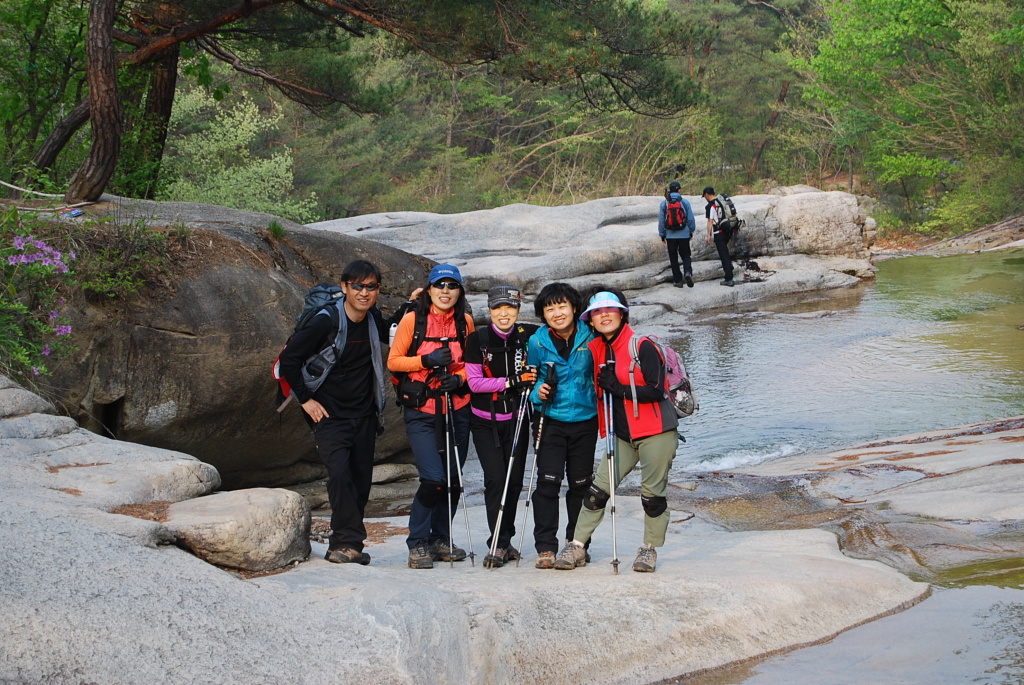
(431, 493)
(454, 494)
(654, 506)
(580, 486)
(548, 485)
(596, 498)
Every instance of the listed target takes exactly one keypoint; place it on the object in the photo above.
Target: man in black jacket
(346, 411)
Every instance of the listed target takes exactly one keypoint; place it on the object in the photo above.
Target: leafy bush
(35, 279)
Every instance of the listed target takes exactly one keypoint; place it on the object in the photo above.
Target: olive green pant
(654, 454)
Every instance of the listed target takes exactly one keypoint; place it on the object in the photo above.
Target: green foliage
(34, 276)
(931, 94)
(41, 72)
(276, 229)
(209, 159)
(118, 259)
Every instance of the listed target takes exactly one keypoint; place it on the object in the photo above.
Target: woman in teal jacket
(569, 407)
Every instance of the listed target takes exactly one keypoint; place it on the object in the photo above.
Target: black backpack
(729, 218)
(319, 297)
(675, 215)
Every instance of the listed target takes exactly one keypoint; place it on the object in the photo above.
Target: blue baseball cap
(445, 271)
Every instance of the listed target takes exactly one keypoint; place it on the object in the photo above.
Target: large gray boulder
(94, 596)
(187, 367)
(530, 245)
(256, 529)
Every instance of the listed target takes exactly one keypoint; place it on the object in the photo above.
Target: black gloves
(442, 356)
(608, 382)
(524, 379)
(449, 382)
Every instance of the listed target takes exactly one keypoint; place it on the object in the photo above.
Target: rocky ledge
(94, 595)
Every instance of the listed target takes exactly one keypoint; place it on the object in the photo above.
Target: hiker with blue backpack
(334, 366)
(676, 225)
(638, 421)
(426, 358)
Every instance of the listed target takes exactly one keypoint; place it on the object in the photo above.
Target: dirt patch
(1012, 438)
(58, 469)
(150, 511)
(71, 491)
(908, 455)
(376, 532)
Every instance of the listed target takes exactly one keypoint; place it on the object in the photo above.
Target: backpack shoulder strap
(419, 332)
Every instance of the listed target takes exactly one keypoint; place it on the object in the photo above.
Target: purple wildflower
(35, 370)
(39, 244)
(54, 313)
(45, 351)
(63, 330)
(13, 259)
(19, 242)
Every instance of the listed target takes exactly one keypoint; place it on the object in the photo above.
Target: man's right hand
(442, 356)
(315, 410)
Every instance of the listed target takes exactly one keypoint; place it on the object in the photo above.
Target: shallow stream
(932, 343)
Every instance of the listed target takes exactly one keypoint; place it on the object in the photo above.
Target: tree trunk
(46, 155)
(771, 124)
(91, 179)
(159, 103)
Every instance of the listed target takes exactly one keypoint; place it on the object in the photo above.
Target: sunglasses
(445, 285)
(359, 287)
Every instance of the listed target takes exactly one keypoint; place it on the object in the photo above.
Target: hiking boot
(496, 560)
(729, 283)
(677, 284)
(571, 556)
(420, 557)
(545, 560)
(347, 555)
(646, 559)
(440, 551)
(512, 554)
(689, 280)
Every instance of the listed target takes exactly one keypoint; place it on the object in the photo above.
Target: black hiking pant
(679, 248)
(566, 450)
(346, 447)
(722, 245)
(494, 460)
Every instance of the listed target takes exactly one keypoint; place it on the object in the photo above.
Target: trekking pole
(609, 451)
(523, 402)
(462, 484)
(448, 476)
(551, 380)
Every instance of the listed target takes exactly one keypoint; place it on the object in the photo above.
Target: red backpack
(675, 215)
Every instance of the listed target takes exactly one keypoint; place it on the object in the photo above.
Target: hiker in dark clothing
(346, 412)
(676, 234)
(498, 377)
(720, 234)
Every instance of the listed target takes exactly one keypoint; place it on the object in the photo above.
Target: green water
(931, 343)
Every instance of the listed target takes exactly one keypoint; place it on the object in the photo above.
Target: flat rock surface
(973, 472)
(93, 596)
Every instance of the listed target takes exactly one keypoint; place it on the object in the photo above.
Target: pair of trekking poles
(522, 412)
(608, 414)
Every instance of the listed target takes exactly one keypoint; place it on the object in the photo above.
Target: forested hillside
(324, 109)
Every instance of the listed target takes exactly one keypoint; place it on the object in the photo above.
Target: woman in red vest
(427, 353)
(644, 424)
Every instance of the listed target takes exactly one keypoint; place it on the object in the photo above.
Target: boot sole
(421, 564)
